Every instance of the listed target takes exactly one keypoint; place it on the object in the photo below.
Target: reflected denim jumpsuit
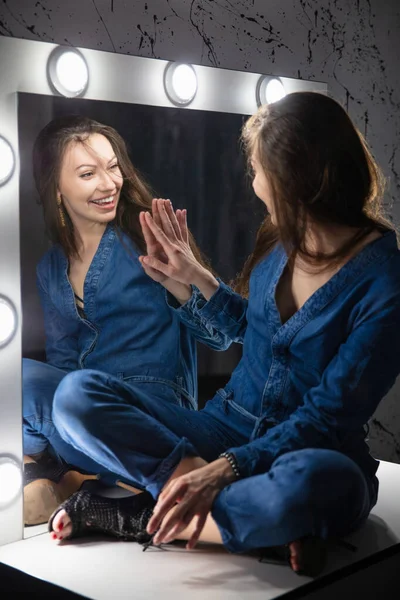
(128, 331)
(293, 412)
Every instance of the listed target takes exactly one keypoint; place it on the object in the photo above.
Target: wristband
(232, 461)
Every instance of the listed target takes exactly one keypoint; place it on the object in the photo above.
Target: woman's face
(90, 181)
(261, 185)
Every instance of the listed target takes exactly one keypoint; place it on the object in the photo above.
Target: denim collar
(92, 277)
(379, 249)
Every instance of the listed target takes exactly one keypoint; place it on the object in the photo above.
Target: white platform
(105, 569)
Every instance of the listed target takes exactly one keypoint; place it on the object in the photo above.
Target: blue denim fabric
(307, 492)
(129, 330)
(40, 384)
(293, 412)
(316, 380)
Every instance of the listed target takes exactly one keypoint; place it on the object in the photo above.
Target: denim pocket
(180, 395)
(228, 402)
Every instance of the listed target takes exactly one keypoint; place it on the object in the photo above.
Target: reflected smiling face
(261, 185)
(90, 181)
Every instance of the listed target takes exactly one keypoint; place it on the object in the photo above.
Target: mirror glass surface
(192, 157)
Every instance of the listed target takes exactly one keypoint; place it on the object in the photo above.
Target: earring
(60, 210)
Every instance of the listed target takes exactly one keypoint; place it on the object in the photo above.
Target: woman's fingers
(165, 503)
(158, 233)
(166, 224)
(200, 522)
(182, 220)
(173, 218)
(153, 273)
(153, 264)
(155, 212)
(149, 238)
(176, 521)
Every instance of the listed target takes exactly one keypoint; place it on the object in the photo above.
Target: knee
(32, 374)
(72, 403)
(39, 382)
(317, 474)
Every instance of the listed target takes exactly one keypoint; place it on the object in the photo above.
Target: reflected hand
(153, 247)
(174, 258)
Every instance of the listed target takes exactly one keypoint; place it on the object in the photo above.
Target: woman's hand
(155, 250)
(179, 262)
(193, 494)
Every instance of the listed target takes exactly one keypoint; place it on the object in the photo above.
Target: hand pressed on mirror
(181, 265)
(155, 251)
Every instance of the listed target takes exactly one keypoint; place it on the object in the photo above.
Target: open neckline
(352, 262)
(92, 273)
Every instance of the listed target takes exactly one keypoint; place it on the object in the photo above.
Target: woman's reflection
(101, 311)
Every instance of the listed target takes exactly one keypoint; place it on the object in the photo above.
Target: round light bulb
(274, 91)
(180, 82)
(68, 72)
(184, 82)
(8, 321)
(10, 481)
(72, 72)
(7, 161)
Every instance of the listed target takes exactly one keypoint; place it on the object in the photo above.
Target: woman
(278, 457)
(101, 311)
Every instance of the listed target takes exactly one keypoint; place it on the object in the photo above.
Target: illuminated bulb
(184, 82)
(68, 72)
(7, 161)
(8, 321)
(180, 83)
(72, 72)
(269, 89)
(274, 91)
(10, 481)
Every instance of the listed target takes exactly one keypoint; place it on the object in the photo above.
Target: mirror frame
(115, 78)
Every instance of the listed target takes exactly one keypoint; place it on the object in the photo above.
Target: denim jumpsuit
(293, 412)
(128, 331)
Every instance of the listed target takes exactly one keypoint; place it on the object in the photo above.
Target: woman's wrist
(181, 291)
(223, 472)
(206, 282)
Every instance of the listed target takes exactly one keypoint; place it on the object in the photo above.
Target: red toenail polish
(53, 535)
(61, 537)
(61, 526)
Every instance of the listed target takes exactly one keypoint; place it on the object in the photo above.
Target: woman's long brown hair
(320, 170)
(136, 195)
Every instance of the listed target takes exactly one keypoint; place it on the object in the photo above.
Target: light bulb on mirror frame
(269, 89)
(7, 160)
(10, 481)
(180, 83)
(67, 72)
(8, 321)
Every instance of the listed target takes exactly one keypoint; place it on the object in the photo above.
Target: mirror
(135, 81)
(192, 157)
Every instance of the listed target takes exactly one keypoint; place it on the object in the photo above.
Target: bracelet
(232, 461)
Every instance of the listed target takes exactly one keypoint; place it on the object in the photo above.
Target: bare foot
(62, 527)
(295, 555)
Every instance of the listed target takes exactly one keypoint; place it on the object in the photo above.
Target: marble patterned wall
(352, 45)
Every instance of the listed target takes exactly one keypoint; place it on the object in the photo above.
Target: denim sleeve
(355, 381)
(216, 322)
(61, 341)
